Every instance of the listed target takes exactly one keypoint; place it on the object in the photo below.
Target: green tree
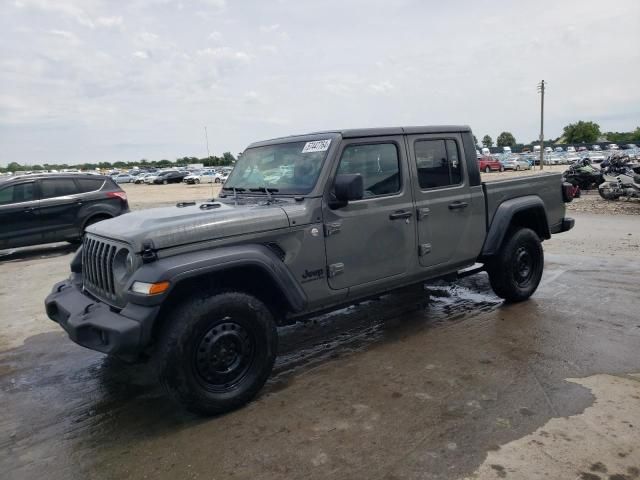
(14, 166)
(506, 139)
(475, 140)
(581, 132)
(228, 158)
(487, 141)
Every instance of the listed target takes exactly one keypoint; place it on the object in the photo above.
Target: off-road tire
(208, 335)
(516, 270)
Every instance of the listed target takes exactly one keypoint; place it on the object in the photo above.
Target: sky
(91, 80)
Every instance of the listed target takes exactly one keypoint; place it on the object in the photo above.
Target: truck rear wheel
(217, 352)
(516, 271)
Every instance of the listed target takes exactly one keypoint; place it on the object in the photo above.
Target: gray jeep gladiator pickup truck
(303, 224)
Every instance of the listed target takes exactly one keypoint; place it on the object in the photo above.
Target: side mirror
(347, 187)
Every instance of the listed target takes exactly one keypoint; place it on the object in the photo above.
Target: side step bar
(472, 270)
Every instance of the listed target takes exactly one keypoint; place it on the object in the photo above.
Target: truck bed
(547, 186)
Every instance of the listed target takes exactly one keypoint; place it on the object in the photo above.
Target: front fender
(178, 268)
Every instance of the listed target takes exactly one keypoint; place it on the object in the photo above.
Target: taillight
(568, 192)
(121, 195)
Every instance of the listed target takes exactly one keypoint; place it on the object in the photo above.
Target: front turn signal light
(150, 288)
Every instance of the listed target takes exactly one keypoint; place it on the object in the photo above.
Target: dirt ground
(441, 382)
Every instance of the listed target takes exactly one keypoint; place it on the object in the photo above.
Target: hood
(174, 226)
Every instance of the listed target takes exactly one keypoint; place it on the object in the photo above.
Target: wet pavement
(441, 382)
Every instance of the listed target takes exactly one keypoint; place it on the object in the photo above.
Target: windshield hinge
(148, 253)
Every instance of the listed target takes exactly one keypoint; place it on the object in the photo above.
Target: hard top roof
(370, 132)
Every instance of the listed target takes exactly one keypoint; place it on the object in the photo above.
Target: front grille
(97, 267)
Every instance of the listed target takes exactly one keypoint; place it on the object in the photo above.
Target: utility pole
(206, 136)
(541, 87)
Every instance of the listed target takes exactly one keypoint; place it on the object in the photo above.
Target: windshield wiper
(234, 189)
(265, 190)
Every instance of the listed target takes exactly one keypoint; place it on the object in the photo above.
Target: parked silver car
(514, 163)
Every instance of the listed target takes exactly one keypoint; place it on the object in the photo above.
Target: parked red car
(488, 164)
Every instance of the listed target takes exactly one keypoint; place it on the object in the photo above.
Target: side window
(22, 192)
(57, 187)
(377, 163)
(438, 163)
(89, 184)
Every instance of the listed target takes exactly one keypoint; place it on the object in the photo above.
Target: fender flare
(178, 268)
(504, 215)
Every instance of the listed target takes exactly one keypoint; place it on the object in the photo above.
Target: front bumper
(95, 325)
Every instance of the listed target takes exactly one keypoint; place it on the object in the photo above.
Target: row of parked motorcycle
(615, 177)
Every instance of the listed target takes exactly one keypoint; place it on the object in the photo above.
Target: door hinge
(423, 249)
(423, 213)
(335, 269)
(332, 228)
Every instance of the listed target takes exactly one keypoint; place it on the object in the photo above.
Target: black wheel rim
(224, 355)
(523, 267)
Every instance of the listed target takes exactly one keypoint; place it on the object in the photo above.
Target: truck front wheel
(517, 269)
(216, 352)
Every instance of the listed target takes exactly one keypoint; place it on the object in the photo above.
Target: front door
(443, 201)
(374, 238)
(19, 215)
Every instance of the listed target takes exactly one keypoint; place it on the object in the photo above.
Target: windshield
(285, 168)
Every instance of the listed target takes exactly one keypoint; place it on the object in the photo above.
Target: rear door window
(21, 192)
(57, 187)
(438, 163)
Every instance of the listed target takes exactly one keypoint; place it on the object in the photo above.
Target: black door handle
(29, 210)
(458, 205)
(400, 215)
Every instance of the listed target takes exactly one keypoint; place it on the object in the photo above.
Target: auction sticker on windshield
(317, 146)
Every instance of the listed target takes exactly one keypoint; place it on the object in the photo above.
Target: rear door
(442, 196)
(60, 203)
(372, 239)
(19, 215)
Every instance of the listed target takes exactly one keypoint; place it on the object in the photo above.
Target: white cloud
(381, 87)
(110, 22)
(67, 8)
(269, 28)
(65, 34)
(67, 81)
(225, 53)
(215, 36)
